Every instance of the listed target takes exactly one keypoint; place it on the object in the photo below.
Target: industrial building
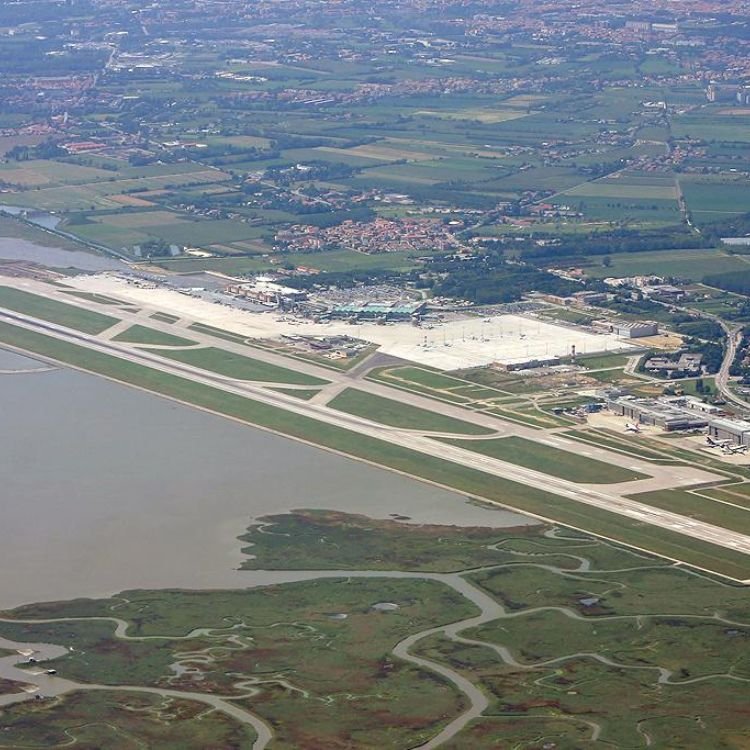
(736, 430)
(664, 414)
(691, 402)
(627, 329)
(636, 329)
(681, 413)
(688, 364)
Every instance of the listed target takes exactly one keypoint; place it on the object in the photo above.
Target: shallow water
(12, 248)
(106, 488)
(13, 361)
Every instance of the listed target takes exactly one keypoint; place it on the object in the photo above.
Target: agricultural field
(711, 198)
(691, 264)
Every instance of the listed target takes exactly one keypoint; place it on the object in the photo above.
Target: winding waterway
(489, 609)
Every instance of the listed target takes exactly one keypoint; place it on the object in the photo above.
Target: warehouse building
(736, 430)
(636, 329)
(628, 329)
(691, 402)
(668, 416)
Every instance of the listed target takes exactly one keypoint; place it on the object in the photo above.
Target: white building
(637, 329)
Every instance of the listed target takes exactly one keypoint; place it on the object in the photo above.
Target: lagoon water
(105, 488)
(55, 257)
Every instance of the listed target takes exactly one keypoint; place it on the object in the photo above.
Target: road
(734, 337)
(421, 443)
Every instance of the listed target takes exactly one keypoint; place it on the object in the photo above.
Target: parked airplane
(631, 427)
(711, 443)
(731, 450)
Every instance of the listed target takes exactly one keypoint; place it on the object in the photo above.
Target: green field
(554, 461)
(398, 414)
(603, 361)
(700, 508)
(138, 334)
(686, 264)
(238, 366)
(54, 312)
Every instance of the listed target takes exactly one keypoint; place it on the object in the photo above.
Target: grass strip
(238, 366)
(164, 317)
(304, 393)
(545, 458)
(138, 334)
(398, 414)
(699, 508)
(53, 311)
(218, 333)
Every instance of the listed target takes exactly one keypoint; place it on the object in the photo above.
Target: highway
(734, 337)
(599, 498)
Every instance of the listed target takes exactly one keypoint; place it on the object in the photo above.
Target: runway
(422, 443)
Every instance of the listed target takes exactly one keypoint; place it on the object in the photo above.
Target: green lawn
(102, 299)
(398, 414)
(545, 458)
(603, 361)
(237, 366)
(138, 334)
(54, 312)
(238, 338)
